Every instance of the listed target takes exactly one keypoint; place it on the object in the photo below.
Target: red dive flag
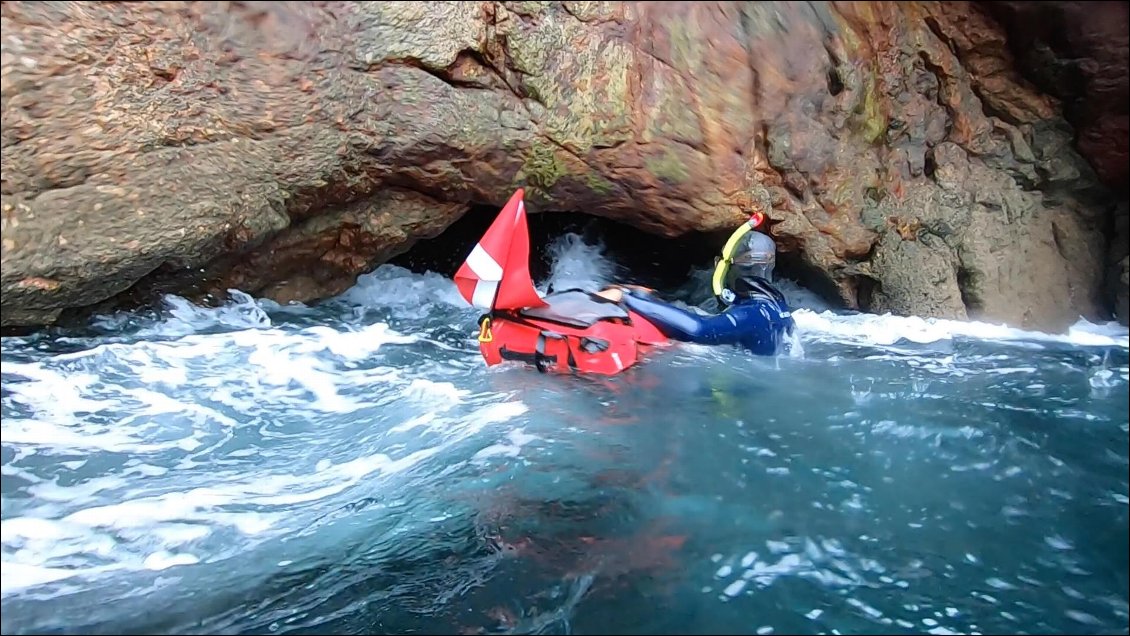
(496, 275)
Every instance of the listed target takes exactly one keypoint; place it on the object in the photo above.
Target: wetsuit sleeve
(684, 325)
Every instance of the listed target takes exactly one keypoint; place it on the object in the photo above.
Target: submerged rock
(285, 148)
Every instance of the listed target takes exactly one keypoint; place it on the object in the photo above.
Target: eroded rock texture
(284, 148)
(1078, 52)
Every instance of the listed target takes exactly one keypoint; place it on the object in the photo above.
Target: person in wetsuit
(756, 316)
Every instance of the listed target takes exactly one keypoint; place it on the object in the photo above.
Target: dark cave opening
(640, 258)
(792, 266)
(679, 267)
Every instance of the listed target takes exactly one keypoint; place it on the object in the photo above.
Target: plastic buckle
(485, 334)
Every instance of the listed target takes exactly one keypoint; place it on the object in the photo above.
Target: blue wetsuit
(759, 322)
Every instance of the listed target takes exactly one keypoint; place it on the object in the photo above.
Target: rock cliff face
(1079, 53)
(284, 148)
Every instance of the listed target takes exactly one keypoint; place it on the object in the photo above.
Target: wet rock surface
(914, 162)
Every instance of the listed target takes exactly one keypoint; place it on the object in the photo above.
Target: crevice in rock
(966, 280)
(835, 84)
(834, 80)
(1057, 238)
(936, 29)
(615, 143)
(496, 68)
(987, 108)
(507, 72)
(939, 95)
(662, 61)
(699, 146)
(865, 288)
(570, 12)
(1116, 274)
(442, 75)
(481, 60)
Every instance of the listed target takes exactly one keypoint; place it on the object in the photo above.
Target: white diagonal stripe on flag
(483, 265)
(484, 294)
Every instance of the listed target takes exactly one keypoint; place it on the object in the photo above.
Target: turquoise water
(353, 468)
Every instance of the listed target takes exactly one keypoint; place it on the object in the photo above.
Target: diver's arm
(684, 325)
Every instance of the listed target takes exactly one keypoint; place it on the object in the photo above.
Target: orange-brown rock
(283, 148)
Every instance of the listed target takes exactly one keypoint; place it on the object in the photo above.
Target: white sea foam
(888, 329)
(182, 404)
(158, 531)
(577, 264)
(411, 295)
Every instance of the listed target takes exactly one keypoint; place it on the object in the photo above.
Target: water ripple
(353, 468)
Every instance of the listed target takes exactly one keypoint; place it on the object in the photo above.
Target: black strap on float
(540, 359)
(539, 351)
(518, 356)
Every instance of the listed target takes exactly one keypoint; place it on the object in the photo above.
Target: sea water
(353, 467)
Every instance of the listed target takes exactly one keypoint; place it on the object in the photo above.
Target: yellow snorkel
(724, 263)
